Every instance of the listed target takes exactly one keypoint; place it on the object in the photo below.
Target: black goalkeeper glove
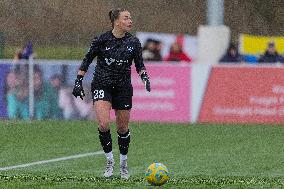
(146, 81)
(78, 87)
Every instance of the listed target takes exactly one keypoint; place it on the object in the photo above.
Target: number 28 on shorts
(98, 94)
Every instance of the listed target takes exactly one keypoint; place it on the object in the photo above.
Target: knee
(103, 125)
(122, 129)
(122, 126)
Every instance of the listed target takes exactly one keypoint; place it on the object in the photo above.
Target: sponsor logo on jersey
(109, 61)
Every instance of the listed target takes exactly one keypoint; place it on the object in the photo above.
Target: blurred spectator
(176, 54)
(251, 59)
(56, 83)
(152, 50)
(11, 82)
(45, 97)
(85, 107)
(27, 50)
(271, 55)
(17, 56)
(17, 95)
(4, 71)
(66, 103)
(232, 55)
(75, 108)
(25, 53)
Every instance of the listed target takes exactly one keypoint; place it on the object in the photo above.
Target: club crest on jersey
(129, 48)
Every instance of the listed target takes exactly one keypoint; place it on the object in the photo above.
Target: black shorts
(119, 97)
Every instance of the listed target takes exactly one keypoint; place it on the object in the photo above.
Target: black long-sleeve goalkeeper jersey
(114, 59)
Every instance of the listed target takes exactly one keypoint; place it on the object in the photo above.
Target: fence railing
(42, 89)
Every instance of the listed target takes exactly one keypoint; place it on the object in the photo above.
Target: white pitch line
(51, 160)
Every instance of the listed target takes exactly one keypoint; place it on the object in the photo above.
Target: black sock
(106, 142)
(123, 142)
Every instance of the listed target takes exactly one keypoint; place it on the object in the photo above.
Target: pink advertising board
(244, 95)
(169, 100)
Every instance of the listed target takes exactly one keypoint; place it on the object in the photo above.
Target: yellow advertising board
(257, 45)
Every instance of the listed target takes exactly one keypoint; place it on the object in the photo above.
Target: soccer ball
(157, 174)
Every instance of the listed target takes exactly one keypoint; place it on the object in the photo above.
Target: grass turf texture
(68, 53)
(197, 156)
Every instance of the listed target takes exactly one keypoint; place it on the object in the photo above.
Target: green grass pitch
(197, 156)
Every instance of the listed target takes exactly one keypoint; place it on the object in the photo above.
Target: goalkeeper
(111, 86)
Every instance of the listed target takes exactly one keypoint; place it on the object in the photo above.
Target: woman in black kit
(111, 85)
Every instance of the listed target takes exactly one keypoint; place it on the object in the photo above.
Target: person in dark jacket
(232, 55)
(151, 50)
(271, 55)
